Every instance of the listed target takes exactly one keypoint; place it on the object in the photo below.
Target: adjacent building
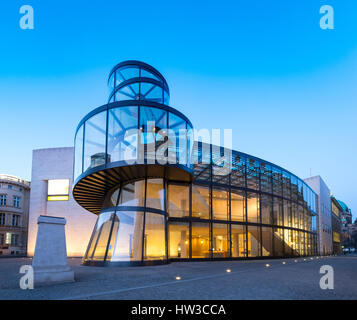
(336, 226)
(346, 221)
(323, 208)
(14, 211)
(51, 194)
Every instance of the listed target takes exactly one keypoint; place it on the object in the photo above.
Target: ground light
(295, 260)
(284, 262)
(178, 278)
(228, 270)
(267, 265)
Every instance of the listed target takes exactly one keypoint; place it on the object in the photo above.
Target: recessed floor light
(178, 278)
(295, 260)
(228, 270)
(284, 262)
(267, 265)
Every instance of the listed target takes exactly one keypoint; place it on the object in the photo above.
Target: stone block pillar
(50, 262)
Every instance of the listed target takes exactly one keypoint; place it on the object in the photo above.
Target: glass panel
(277, 181)
(179, 200)
(238, 171)
(254, 241)
(286, 185)
(253, 174)
(100, 238)
(288, 242)
(267, 241)
(200, 202)
(148, 74)
(178, 126)
(220, 243)
(200, 240)
(154, 244)
(128, 72)
(294, 215)
(265, 177)
(78, 153)
(120, 120)
(252, 207)
(278, 212)
(128, 235)
(287, 213)
(132, 194)
(155, 194)
(266, 203)
(238, 240)
(95, 137)
(278, 242)
(111, 198)
(155, 94)
(237, 206)
(220, 204)
(179, 236)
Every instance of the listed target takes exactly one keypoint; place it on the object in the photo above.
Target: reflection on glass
(127, 235)
(266, 208)
(99, 241)
(111, 198)
(120, 121)
(220, 204)
(200, 240)
(178, 200)
(220, 244)
(78, 152)
(200, 202)
(238, 240)
(154, 241)
(278, 211)
(133, 194)
(252, 207)
(155, 194)
(94, 142)
(237, 206)
(278, 241)
(179, 237)
(267, 245)
(254, 242)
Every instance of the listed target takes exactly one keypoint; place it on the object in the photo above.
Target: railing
(14, 179)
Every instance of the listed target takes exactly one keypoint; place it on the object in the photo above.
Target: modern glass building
(161, 196)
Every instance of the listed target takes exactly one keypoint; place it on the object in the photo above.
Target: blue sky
(263, 68)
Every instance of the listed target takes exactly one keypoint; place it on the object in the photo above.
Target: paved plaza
(259, 279)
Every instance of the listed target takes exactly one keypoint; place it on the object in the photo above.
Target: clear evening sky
(263, 68)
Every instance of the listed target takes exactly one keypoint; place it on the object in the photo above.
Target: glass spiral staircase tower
(162, 197)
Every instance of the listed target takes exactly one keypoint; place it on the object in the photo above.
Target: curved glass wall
(133, 134)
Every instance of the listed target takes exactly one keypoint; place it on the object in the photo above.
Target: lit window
(58, 190)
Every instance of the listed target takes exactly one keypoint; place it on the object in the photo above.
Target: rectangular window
(237, 206)
(220, 243)
(2, 239)
(3, 200)
(200, 202)
(178, 200)
(14, 239)
(16, 202)
(267, 241)
(252, 207)
(179, 240)
(58, 190)
(220, 204)
(200, 240)
(15, 220)
(266, 205)
(2, 219)
(254, 241)
(238, 241)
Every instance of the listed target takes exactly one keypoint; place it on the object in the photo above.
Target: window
(237, 206)
(3, 200)
(238, 240)
(16, 202)
(154, 239)
(58, 190)
(178, 200)
(200, 240)
(9, 187)
(200, 202)
(219, 204)
(2, 219)
(220, 244)
(179, 235)
(14, 239)
(15, 220)
(2, 239)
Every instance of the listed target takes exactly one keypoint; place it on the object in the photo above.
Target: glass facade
(254, 209)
